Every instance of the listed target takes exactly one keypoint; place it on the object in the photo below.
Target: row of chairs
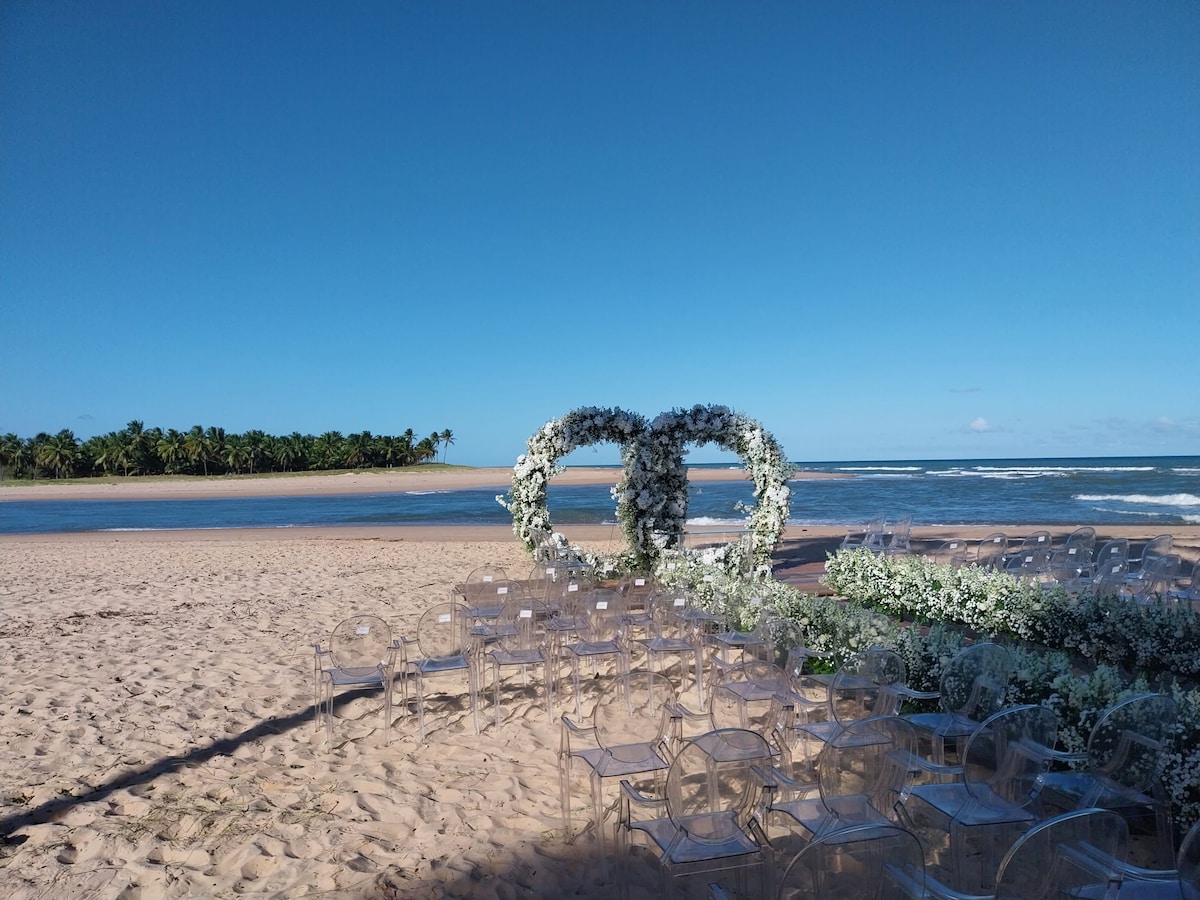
(1079, 566)
(554, 618)
(865, 767)
(881, 535)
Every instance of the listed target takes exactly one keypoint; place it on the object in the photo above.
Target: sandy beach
(376, 481)
(159, 739)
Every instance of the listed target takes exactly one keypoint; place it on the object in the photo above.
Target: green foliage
(137, 450)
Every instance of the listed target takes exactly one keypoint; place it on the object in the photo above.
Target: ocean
(1151, 491)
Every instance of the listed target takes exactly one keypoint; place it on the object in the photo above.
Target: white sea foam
(709, 521)
(424, 493)
(1185, 471)
(1155, 499)
(879, 469)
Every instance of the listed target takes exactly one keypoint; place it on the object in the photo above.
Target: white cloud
(979, 425)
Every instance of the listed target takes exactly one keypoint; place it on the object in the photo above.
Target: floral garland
(652, 495)
(671, 431)
(531, 475)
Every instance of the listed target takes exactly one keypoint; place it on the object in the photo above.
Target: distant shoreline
(306, 484)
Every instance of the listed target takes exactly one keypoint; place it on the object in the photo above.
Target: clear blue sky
(885, 230)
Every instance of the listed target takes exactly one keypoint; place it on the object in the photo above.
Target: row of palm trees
(137, 450)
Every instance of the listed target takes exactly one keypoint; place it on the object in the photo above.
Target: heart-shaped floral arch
(554, 440)
(652, 494)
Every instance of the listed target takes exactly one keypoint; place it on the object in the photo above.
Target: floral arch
(652, 493)
(531, 475)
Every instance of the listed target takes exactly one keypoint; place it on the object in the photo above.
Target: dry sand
(369, 482)
(159, 742)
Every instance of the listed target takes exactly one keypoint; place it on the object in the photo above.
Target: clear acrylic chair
(479, 581)
(865, 862)
(864, 686)
(954, 553)
(1154, 580)
(863, 775)
(360, 656)
(970, 822)
(867, 537)
(747, 691)
(444, 646)
(731, 646)
(638, 589)
(973, 686)
(1073, 559)
(1189, 592)
(1122, 767)
(485, 605)
(1109, 580)
(991, 551)
(601, 635)
(1032, 559)
(520, 641)
(1061, 857)
(563, 593)
(1160, 545)
(897, 539)
(485, 598)
(628, 735)
(1178, 882)
(1108, 567)
(704, 822)
(672, 632)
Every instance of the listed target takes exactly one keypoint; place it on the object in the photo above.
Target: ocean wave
(710, 521)
(1191, 520)
(425, 493)
(1154, 499)
(1021, 472)
(1185, 471)
(1060, 471)
(879, 468)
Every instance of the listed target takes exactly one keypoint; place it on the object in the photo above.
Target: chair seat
(355, 675)
(668, 645)
(705, 837)
(529, 657)
(1112, 796)
(988, 808)
(631, 759)
(813, 813)
(441, 664)
(594, 648)
(944, 724)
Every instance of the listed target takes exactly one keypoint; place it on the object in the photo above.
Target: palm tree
(329, 449)
(199, 447)
(172, 450)
(235, 453)
(447, 438)
(59, 453)
(290, 450)
(135, 445)
(360, 450)
(256, 449)
(11, 450)
(426, 448)
(214, 443)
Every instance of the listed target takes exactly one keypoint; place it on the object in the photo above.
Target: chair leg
(496, 691)
(575, 685)
(387, 711)
(473, 684)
